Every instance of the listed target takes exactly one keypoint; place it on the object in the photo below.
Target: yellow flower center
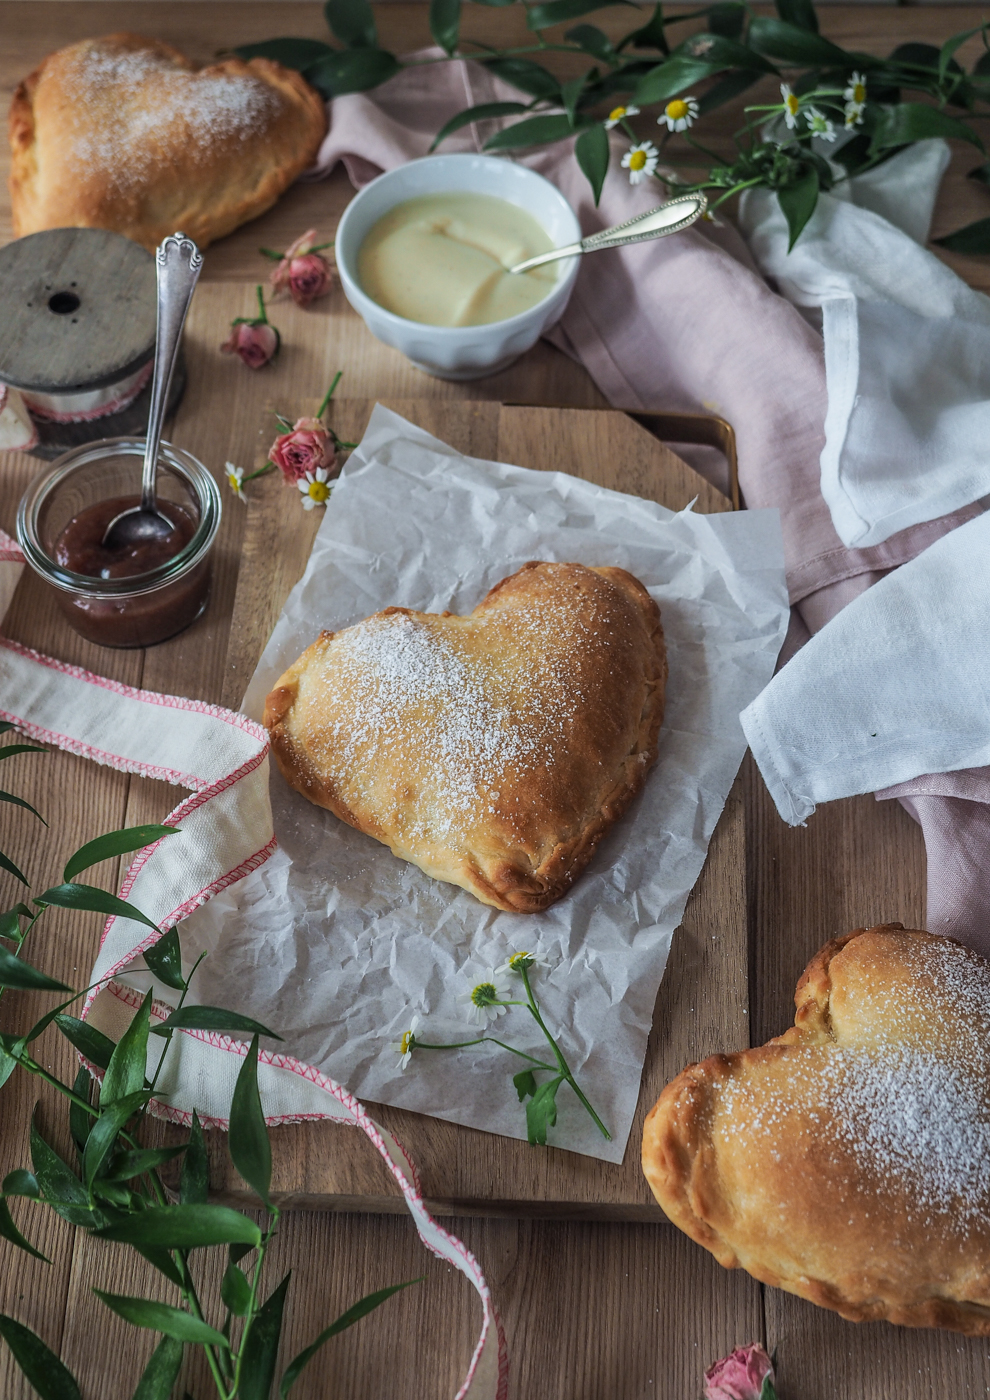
(676, 110)
(792, 104)
(616, 114)
(235, 483)
(637, 160)
(405, 1042)
(484, 994)
(859, 93)
(318, 491)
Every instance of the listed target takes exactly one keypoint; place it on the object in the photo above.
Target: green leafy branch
(114, 1190)
(828, 141)
(488, 1001)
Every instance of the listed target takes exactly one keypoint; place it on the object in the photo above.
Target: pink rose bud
(256, 344)
(740, 1376)
(307, 448)
(307, 278)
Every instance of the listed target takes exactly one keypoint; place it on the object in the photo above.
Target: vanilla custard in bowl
(441, 259)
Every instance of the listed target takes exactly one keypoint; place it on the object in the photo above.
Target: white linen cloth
(897, 685)
(907, 346)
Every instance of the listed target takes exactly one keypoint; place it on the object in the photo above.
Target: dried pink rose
(255, 343)
(741, 1376)
(306, 448)
(303, 270)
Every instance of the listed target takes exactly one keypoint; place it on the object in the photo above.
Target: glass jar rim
(184, 464)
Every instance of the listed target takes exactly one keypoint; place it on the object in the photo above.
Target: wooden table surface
(591, 1310)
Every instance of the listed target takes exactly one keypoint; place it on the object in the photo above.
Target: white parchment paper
(336, 944)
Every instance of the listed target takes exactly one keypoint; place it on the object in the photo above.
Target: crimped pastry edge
(517, 891)
(675, 1149)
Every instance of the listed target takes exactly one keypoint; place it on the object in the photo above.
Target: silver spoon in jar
(177, 263)
(676, 214)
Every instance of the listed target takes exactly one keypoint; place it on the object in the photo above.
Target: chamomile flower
(792, 105)
(520, 961)
(235, 480)
(640, 160)
(679, 114)
(314, 488)
(484, 998)
(855, 96)
(619, 114)
(819, 124)
(404, 1047)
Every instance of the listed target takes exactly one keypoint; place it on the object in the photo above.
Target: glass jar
(140, 609)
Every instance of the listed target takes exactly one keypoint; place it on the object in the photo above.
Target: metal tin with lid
(78, 310)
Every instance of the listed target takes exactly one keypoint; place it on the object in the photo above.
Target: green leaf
(19, 802)
(20, 1182)
(143, 1159)
(592, 152)
(768, 1391)
(347, 1319)
(41, 1367)
(235, 1291)
(973, 238)
(445, 23)
(164, 958)
(353, 70)
(650, 36)
(534, 131)
(560, 11)
(541, 1111)
(161, 1260)
(161, 1372)
(81, 1122)
(60, 1187)
(291, 53)
(10, 1232)
(92, 1044)
(41, 1026)
(352, 22)
(212, 1018)
(524, 74)
(733, 85)
(93, 900)
(525, 1082)
(194, 1182)
(798, 202)
(728, 19)
(800, 13)
(105, 1131)
(184, 1227)
(9, 750)
(593, 41)
(916, 121)
(114, 843)
(250, 1149)
(792, 44)
(682, 70)
(10, 922)
(7, 1065)
(259, 1348)
(982, 65)
(950, 46)
(15, 972)
(477, 114)
(162, 1317)
(7, 864)
(126, 1070)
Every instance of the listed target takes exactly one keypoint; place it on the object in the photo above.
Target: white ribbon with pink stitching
(225, 832)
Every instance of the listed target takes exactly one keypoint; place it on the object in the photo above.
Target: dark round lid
(78, 309)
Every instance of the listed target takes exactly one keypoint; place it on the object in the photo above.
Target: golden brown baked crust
(493, 750)
(848, 1160)
(124, 133)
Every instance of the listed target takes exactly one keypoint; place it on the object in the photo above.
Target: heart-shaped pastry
(124, 133)
(492, 750)
(848, 1161)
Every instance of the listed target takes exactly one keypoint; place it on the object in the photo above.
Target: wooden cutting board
(702, 1005)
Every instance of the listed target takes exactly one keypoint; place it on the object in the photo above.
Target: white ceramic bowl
(459, 352)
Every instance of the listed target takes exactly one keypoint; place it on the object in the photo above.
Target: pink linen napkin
(688, 324)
